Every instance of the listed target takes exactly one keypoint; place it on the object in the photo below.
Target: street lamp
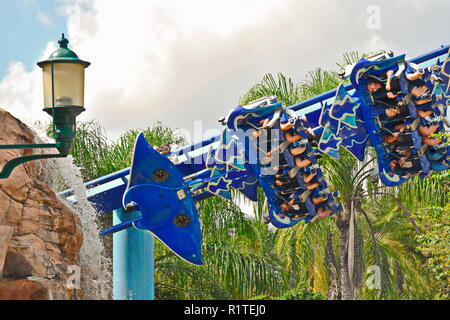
(63, 75)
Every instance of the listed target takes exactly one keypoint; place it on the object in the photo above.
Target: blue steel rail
(106, 193)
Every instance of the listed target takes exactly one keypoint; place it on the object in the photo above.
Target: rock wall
(39, 237)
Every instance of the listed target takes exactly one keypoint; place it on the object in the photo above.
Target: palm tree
(282, 87)
(384, 214)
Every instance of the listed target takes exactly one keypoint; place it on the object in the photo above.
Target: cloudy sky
(181, 61)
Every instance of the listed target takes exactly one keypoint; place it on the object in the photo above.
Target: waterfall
(96, 278)
(95, 267)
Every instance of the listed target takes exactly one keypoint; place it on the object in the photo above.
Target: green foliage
(434, 243)
(349, 58)
(317, 82)
(97, 156)
(282, 87)
(237, 256)
(303, 291)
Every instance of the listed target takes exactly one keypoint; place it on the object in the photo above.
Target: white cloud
(18, 89)
(44, 19)
(40, 15)
(180, 61)
(21, 91)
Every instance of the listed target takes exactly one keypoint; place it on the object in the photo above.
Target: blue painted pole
(133, 261)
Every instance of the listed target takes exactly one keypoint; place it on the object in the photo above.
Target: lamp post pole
(133, 261)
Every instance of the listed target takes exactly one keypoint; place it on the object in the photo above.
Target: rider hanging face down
(400, 112)
(397, 140)
(394, 107)
(399, 137)
(404, 167)
(296, 209)
(396, 110)
(399, 150)
(387, 92)
(297, 137)
(404, 152)
(291, 128)
(264, 140)
(302, 161)
(298, 149)
(292, 209)
(315, 188)
(287, 185)
(312, 192)
(430, 123)
(257, 133)
(285, 182)
(399, 146)
(380, 95)
(310, 180)
(427, 131)
(416, 85)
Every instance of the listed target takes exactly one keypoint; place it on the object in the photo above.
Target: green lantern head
(64, 77)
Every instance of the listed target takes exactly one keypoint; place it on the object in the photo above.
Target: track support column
(133, 261)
